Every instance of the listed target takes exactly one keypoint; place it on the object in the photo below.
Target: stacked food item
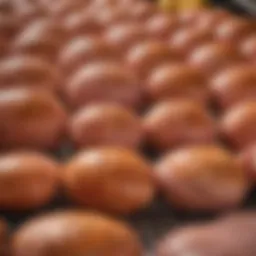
(144, 102)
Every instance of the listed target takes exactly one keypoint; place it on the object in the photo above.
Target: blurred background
(238, 6)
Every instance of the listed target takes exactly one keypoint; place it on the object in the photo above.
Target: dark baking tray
(248, 6)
